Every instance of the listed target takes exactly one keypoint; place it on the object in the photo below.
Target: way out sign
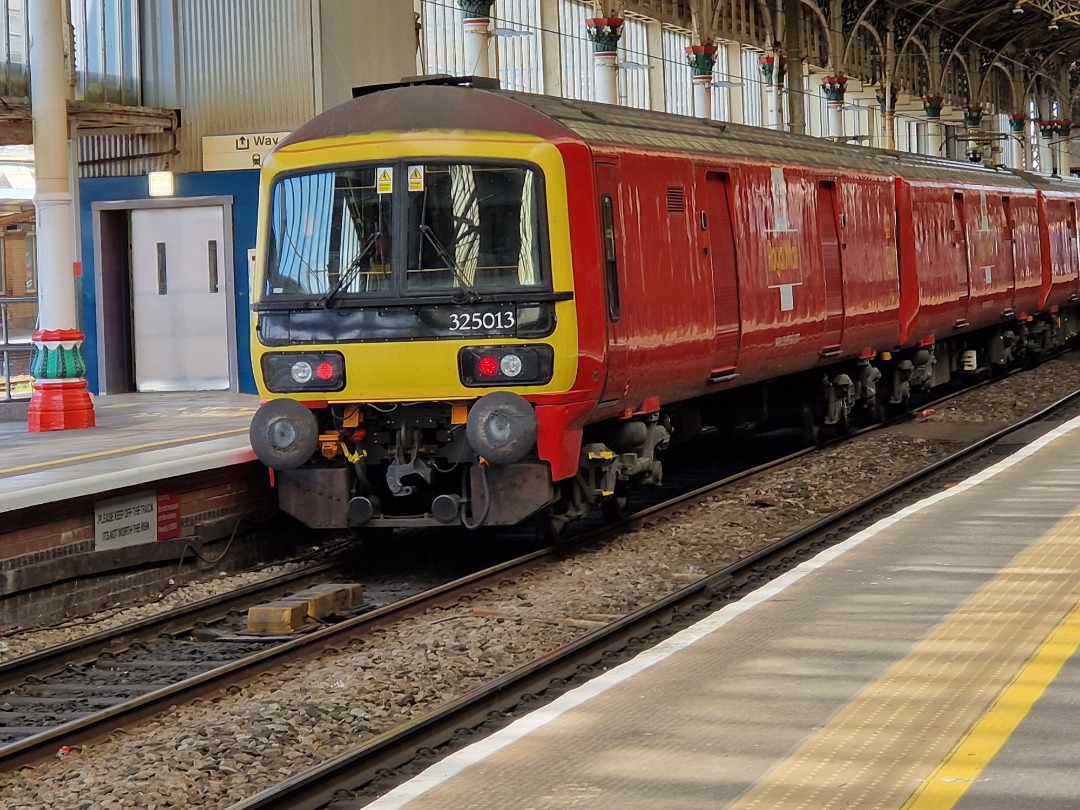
(242, 151)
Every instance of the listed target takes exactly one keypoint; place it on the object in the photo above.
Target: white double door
(180, 299)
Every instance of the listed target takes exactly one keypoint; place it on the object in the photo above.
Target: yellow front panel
(428, 369)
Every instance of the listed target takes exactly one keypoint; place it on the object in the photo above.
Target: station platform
(96, 516)
(926, 662)
(138, 437)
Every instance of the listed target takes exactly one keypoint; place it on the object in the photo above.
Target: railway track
(390, 749)
(92, 676)
(343, 780)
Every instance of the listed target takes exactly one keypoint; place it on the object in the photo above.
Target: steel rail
(355, 769)
(88, 648)
(79, 732)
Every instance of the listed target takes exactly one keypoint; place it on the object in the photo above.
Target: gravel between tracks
(213, 753)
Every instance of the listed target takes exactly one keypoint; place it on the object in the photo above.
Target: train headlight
(301, 371)
(483, 366)
(501, 427)
(284, 434)
(295, 372)
(510, 365)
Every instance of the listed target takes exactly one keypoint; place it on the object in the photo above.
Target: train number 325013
(482, 321)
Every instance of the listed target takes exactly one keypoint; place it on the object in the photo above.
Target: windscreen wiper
(463, 294)
(350, 272)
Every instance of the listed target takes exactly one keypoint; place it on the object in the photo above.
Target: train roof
(1052, 183)
(445, 103)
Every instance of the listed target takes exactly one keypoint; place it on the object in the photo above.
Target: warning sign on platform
(127, 521)
(168, 515)
(144, 517)
(384, 180)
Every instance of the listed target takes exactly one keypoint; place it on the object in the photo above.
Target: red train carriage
(475, 307)
(1060, 287)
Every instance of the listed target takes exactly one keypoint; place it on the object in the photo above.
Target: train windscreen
(404, 228)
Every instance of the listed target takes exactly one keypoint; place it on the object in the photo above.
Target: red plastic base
(60, 406)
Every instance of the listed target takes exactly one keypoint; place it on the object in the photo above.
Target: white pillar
(1017, 135)
(834, 88)
(973, 117)
(1066, 148)
(773, 69)
(658, 67)
(606, 77)
(59, 400)
(701, 59)
(886, 96)
(836, 119)
(1045, 147)
(549, 47)
(477, 34)
(703, 98)
(56, 307)
(772, 99)
(1017, 153)
(932, 105)
(605, 33)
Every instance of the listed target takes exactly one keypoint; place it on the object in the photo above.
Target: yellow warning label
(416, 178)
(384, 180)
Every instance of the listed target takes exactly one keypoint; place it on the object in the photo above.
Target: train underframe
(416, 464)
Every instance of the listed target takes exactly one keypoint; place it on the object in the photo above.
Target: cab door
(617, 365)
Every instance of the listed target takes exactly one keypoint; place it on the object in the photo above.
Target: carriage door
(1072, 255)
(1010, 259)
(963, 279)
(834, 277)
(720, 247)
(618, 369)
(179, 302)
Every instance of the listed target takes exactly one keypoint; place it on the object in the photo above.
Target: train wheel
(878, 412)
(616, 507)
(549, 524)
(811, 429)
(899, 408)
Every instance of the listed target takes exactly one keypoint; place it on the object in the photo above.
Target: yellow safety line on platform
(987, 663)
(962, 768)
(121, 450)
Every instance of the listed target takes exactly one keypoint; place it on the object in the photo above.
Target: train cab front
(410, 314)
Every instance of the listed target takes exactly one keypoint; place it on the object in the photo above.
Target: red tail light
(487, 366)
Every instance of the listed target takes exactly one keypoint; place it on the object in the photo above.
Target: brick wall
(49, 567)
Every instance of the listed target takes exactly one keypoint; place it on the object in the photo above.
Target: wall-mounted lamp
(161, 184)
(635, 66)
(726, 83)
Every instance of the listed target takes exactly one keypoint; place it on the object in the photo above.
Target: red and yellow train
(475, 306)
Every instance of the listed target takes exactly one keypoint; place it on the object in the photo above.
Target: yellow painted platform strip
(880, 749)
(116, 451)
(957, 773)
